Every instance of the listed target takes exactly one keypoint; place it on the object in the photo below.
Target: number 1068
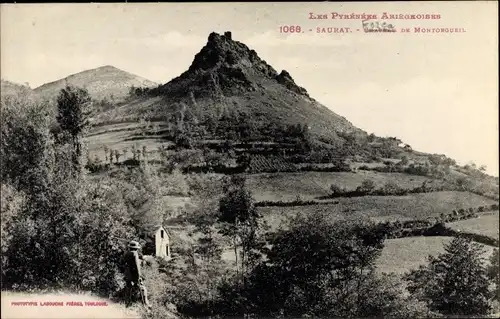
(290, 29)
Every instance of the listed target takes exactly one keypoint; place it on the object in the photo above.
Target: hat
(134, 244)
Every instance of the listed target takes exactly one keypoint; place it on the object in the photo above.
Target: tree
(455, 282)
(99, 231)
(135, 153)
(336, 190)
(211, 124)
(463, 183)
(73, 117)
(213, 159)
(404, 160)
(58, 228)
(117, 155)
(494, 274)
(12, 203)
(25, 139)
(132, 91)
(371, 138)
(41, 252)
(239, 220)
(317, 267)
(367, 186)
(183, 140)
(106, 151)
(243, 160)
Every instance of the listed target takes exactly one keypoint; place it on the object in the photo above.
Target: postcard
(249, 160)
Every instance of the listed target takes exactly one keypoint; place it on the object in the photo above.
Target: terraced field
(123, 136)
(412, 206)
(309, 185)
(403, 254)
(484, 225)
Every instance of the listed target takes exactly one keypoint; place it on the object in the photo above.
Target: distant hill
(106, 82)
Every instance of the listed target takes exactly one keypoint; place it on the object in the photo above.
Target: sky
(437, 92)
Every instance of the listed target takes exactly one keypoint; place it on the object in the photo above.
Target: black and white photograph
(249, 160)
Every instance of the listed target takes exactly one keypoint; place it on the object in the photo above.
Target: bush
(184, 141)
(367, 186)
(336, 190)
(68, 230)
(339, 281)
(391, 188)
(458, 272)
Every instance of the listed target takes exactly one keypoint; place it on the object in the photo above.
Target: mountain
(106, 82)
(10, 88)
(226, 76)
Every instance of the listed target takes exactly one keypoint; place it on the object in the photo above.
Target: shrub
(184, 141)
(391, 188)
(367, 186)
(458, 272)
(336, 190)
(316, 284)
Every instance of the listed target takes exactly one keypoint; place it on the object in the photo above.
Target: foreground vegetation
(62, 230)
(401, 255)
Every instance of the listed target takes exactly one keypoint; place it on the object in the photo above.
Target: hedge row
(315, 168)
(268, 203)
(466, 213)
(428, 227)
(221, 169)
(384, 192)
(441, 229)
(438, 229)
(394, 168)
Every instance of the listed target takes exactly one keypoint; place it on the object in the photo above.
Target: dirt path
(47, 306)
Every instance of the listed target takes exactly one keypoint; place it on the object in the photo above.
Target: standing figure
(133, 275)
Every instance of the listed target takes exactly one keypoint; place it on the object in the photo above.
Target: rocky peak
(229, 67)
(222, 50)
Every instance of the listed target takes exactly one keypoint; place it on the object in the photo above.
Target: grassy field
(384, 207)
(123, 136)
(403, 254)
(309, 185)
(484, 225)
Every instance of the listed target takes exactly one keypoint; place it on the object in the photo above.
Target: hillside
(227, 77)
(106, 82)
(231, 99)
